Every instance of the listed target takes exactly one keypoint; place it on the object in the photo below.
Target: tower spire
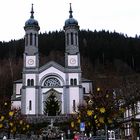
(70, 16)
(32, 12)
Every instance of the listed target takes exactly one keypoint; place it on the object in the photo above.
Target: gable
(51, 64)
(51, 69)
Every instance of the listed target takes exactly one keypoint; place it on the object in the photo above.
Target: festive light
(109, 121)
(96, 121)
(98, 89)
(11, 124)
(27, 126)
(72, 124)
(102, 110)
(89, 112)
(20, 122)
(101, 120)
(107, 95)
(79, 121)
(89, 123)
(98, 125)
(10, 119)
(122, 109)
(1, 125)
(14, 129)
(2, 118)
(11, 113)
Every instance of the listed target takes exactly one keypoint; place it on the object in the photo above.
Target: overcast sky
(123, 16)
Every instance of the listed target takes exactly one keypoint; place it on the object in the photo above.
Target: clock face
(30, 61)
(72, 61)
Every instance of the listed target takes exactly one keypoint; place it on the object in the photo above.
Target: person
(76, 136)
(4, 138)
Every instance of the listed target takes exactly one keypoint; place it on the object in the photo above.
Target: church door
(52, 103)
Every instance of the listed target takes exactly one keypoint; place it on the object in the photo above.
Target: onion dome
(32, 23)
(71, 21)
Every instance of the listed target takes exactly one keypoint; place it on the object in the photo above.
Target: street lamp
(98, 89)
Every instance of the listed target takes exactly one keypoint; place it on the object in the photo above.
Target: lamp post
(106, 132)
(68, 134)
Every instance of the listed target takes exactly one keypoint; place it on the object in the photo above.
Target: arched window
(71, 38)
(76, 39)
(31, 37)
(84, 90)
(35, 39)
(28, 82)
(26, 39)
(30, 105)
(74, 106)
(67, 38)
(32, 82)
(71, 82)
(75, 81)
(52, 82)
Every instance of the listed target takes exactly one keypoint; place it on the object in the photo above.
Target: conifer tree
(52, 105)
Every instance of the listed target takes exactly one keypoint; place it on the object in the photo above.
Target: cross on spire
(70, 16)
(32, 12)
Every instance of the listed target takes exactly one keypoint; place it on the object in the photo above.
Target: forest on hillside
(105, 57)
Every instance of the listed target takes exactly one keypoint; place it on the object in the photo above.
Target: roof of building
(16, 99)
(71, 21)
(31, 22)
(51, 64)
(86, 80)
(18, 81)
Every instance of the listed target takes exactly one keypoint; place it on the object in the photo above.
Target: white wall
(74, 95)
(73, 76)
(30, 76)
(30, 95)
(18, 88)
(16, 104)
(87, 87)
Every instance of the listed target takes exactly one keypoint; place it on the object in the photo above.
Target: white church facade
(37, 83)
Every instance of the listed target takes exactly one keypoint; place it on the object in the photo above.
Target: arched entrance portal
(52, 103)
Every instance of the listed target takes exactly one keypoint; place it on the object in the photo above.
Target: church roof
(71, 21)
(16, 99)
(52, 90)
(32, 22)
(18, 81)
(86, 80)
(52, 64)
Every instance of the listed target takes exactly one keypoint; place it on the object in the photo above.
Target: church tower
(39, 83)
(72, 63)
(29, 104)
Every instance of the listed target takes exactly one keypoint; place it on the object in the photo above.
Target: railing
(44, 118)
(98, 138)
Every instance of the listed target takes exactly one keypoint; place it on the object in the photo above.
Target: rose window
(52, 82)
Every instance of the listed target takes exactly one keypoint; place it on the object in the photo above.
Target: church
(37, 82)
